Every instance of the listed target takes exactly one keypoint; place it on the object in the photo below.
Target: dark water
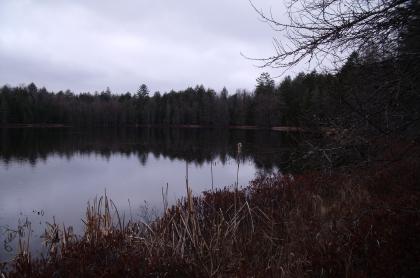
(46, 173)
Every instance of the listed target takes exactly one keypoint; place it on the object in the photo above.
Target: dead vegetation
(364, 224)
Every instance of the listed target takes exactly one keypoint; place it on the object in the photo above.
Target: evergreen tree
(143, 91)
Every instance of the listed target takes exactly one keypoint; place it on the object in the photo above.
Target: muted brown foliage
(360, 224)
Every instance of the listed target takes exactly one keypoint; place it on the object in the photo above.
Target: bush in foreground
(361, 224)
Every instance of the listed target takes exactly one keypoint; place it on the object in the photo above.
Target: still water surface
(46, 173)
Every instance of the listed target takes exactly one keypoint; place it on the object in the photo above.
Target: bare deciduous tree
(320, 30)
(375, 45)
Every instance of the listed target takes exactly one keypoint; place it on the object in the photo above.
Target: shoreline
(312, 216)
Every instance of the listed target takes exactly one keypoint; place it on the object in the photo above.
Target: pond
(49, 174)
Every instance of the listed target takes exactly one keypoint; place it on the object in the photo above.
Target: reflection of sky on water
(61, 187)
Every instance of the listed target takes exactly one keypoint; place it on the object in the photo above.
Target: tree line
(193, 106)
(374, 91)
(305, 99)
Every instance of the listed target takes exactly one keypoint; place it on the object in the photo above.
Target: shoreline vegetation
(364, 223)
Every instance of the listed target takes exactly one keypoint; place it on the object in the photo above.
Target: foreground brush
(366, 224)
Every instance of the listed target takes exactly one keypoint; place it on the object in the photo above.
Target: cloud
(89, 45)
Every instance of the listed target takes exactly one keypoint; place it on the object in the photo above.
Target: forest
(374, 89)
(308, 99)
(268, 105)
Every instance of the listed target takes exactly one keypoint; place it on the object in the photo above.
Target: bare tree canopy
(319, 31)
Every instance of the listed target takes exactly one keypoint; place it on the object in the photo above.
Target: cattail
(239, 148)
(190, 201)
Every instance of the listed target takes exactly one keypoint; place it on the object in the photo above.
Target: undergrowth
(355, 224)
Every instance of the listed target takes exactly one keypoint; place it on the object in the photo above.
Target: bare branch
(320, 30)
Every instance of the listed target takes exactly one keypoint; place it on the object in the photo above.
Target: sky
(89, 45)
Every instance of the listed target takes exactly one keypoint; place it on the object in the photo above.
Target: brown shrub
(361, 224)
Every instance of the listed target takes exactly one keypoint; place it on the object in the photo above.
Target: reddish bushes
(360, 224)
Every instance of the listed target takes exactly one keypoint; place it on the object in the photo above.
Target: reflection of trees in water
(266, 149)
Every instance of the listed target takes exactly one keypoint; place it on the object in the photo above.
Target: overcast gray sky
(86, 45)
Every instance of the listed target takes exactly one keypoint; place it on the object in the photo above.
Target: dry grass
(364, 224)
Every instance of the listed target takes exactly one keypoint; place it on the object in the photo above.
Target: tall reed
(363, 225)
